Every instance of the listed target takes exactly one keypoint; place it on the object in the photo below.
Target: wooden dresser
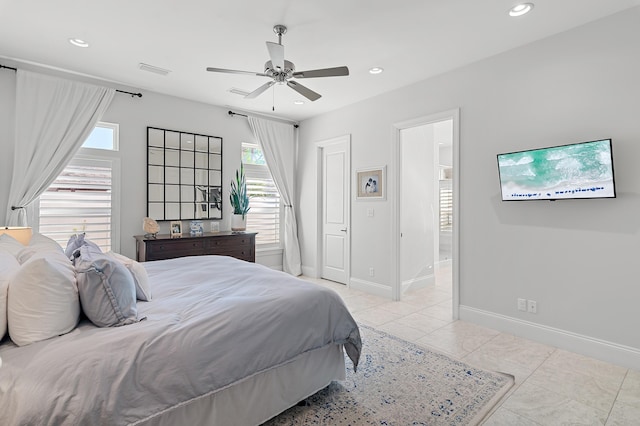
(239, 245)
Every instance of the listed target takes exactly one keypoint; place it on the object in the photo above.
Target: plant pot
(238, 223)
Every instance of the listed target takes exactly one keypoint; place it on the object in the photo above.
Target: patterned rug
(400, 383)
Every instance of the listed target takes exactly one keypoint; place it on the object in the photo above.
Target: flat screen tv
(579, 170)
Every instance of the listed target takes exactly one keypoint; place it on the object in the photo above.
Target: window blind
(264, 216)
(79, 200)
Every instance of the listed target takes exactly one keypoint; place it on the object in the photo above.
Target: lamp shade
(20, 233)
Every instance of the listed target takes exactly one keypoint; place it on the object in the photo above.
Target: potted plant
(239, 201)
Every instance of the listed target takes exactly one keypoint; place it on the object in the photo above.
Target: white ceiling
(411, 39)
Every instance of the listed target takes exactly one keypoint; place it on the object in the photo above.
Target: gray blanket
(213, 322)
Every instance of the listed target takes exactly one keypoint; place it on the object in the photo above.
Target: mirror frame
(184, 175)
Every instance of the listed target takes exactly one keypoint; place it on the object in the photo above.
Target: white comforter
(213, 322)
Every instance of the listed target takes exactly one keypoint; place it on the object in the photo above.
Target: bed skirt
(259, 398)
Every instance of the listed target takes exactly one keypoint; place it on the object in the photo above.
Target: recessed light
(376, 70)
(298, 102)
(78, 42)
(520, 9)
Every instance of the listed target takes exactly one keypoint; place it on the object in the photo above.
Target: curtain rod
(231, 113)
(117, 90)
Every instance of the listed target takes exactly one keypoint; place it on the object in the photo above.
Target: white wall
(134, 115)
(578, 258)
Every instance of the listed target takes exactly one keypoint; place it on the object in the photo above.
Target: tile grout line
(617, 395)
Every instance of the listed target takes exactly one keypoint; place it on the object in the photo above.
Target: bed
(222, 342)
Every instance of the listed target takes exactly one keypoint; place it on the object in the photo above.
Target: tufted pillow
(43, 299)
(38, 244)
(140, 276)
(10, 244)
(8, 267)
(106, 287)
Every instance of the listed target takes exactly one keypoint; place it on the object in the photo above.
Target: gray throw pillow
(74, 243)
(107, 290)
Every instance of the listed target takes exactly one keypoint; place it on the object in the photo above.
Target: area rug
(400, 383)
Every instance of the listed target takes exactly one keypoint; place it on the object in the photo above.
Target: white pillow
(38, 244)
(8, 267)
(10, 244)
(43, 299)
(140, 276)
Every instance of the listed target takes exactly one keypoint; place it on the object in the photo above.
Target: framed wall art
(371, 183)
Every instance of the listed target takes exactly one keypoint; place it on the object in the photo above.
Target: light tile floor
(552, 387)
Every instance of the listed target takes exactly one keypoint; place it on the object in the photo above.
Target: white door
(418, 205)
(335, 209)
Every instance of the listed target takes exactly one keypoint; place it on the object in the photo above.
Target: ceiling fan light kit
(282, 71)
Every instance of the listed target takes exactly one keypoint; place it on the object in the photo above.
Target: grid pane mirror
(184, 175)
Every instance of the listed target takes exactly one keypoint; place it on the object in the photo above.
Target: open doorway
(426, 235)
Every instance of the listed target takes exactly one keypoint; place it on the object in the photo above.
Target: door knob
(344, 230)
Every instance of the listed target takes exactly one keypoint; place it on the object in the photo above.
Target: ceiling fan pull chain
(273, 98)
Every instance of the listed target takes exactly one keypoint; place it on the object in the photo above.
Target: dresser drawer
(246, 254)
(169, 249)
(229, 243)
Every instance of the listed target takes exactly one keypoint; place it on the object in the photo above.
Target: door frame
(320, 145)
(453, 114)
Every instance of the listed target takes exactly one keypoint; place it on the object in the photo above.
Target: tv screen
(580, 170)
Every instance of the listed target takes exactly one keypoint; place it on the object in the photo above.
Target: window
(446, 206)
(84, 196)
(264, 216)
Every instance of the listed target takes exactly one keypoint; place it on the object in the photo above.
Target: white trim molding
(418, 283)
(625, 356)
(310, 271)
(371, 288)
(453, 114)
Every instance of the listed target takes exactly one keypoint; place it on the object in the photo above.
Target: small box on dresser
(240, 245)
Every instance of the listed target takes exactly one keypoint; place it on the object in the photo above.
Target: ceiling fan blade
(325, 72)
(226, 71)
(304, 91)
(259, 90)
(276, 53)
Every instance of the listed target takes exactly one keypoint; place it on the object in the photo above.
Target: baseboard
(622, 355)
(371, 288)
(417, 283)
(446, 262)
(270, 257)
(309, 271)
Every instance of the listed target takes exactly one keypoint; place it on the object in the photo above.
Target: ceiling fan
(282, 71)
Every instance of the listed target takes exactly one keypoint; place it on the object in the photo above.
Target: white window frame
(262, 171)
(109, 157)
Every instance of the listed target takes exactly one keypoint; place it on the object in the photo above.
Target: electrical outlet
(532, 306)
(522, 305)
(372, 272)
(370, 212)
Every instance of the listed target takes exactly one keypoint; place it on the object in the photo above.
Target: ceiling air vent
(238, 91)
(151, 68)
